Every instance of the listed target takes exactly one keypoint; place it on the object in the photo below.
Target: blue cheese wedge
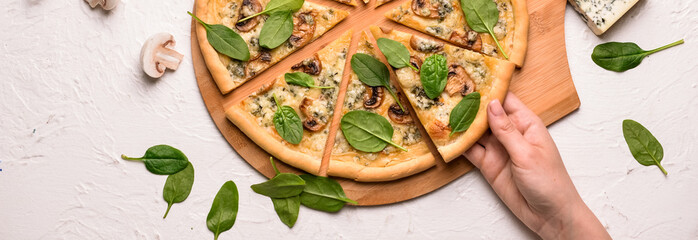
(602, 14)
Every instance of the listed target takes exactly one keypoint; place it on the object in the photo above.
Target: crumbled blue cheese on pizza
(602, 14)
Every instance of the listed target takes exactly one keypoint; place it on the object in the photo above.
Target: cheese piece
(602, 14)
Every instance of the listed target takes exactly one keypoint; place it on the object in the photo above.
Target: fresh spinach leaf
(397, 54)
(481, 16)
(324, 194)
(367, 131)
(287, 123)
(620, 57)
(224, 210)
(225, 40)
(162, 160)
(276, 30)
(434, 75)
(464, 113)
(301, 79)
(373, 73)
(282, 185)
(643, 145)
(278, 6)
(178, 186)
(287, 209)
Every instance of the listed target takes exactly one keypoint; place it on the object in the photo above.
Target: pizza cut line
(469, 70)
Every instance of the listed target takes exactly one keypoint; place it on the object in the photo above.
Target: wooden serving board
(544, 84)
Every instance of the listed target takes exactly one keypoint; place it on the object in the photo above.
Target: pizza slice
(468, 72)
(309, 23)
(444, 19)
(390, 163)
(315, 106)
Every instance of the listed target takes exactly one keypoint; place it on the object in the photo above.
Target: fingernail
(496, 108)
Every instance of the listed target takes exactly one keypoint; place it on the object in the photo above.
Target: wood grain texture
(544, 84)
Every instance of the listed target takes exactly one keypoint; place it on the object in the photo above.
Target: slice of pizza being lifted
(390, 163)
(309, 22)
(468, 72)
(315, 107)
(444, 19)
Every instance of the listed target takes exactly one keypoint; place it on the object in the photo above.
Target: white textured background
(72, 99)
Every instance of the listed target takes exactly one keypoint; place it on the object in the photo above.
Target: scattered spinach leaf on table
(373, 73)
(278, 6)
(178, 186)
(287, 123)
(623, 56)
(464, 113)
(302, 79)
(225, 40)
(162, 160)
(367, 131)
(324, 194)
(481, 16)
(282, 185)
(224, 209)
(397, 54)
(643, 145)
(287, 209)
(276, 30)
(434, 75)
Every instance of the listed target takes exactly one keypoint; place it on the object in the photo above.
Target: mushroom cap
(157, 55)
(105, 4)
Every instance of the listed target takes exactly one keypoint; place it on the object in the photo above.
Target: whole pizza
(374, 103)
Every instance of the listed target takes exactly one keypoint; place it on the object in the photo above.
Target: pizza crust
(272, 143)
(520, 40)
(211, 56)
(345, 168)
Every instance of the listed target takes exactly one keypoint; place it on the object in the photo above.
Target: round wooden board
(545, 71)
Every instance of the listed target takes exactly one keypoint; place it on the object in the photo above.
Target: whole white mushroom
(157, 55)
(105, 4)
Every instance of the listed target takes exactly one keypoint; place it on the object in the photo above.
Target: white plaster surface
(72, 99)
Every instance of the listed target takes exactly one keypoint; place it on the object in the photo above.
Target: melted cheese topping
(262, 107)
(406, 135)
(436, 112)
(452, 21)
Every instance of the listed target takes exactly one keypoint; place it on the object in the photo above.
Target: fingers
(476, 154)
(527, 122)
(522, 117)
(505, 130)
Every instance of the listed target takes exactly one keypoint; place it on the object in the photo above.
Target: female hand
(522, 164)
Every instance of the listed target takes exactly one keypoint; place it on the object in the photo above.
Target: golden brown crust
(272, 143)
(520, 41)
(351, 170)
(211, 56)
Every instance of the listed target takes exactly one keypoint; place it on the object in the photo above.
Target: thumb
(504, 129)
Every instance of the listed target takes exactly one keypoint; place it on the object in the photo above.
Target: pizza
(473, 61)
(468, 72)
(254, 114)
(390, 163)
(309, 23)
(444, 19)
